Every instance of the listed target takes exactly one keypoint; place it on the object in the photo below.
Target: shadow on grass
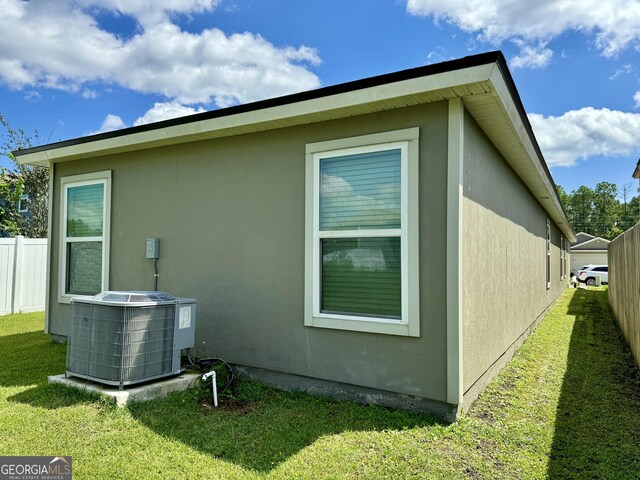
(28, 358)
(55, 396)
(258, 428)
(261, 427)
(597, 431)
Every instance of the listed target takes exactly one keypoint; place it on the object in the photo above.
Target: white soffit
(498, 116)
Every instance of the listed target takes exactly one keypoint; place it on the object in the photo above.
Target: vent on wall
(123, 338)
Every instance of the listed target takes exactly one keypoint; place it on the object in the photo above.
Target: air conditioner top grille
(133, 298)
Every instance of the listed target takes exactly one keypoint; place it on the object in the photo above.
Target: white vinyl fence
(23, 274)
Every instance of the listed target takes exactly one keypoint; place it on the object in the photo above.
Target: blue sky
(73, 67)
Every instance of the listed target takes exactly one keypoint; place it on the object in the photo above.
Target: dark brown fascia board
(636, 172)
(443, 67)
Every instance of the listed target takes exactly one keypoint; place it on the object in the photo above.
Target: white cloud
(624, 70)
(615, 24)
(89, 94)
(580, 134)
(159, 111)
(150, 12)
(110, 123)
(163, 111)
(435, 57)
(229, 69)
(32, 96)
(636, 98)
(531, 56)
(60, 45)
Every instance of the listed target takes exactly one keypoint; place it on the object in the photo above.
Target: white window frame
(561, 257)
(548, 259)
(78, 181)
(409, 323)
(23, 198)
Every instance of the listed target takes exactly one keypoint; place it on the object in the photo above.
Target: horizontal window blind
(360, 191)
(85, 206)
(361, 276)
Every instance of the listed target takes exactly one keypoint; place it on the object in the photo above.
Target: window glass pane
(22, 203)
(84, 268)
(85, 210)
(360, 191)
(361, 276)
(548, 254)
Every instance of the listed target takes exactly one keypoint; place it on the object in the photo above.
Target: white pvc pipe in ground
(214, 387)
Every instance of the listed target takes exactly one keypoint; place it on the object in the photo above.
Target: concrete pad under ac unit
(139, 393)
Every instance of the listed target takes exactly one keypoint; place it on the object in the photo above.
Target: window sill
(67, 298)
(369, 325)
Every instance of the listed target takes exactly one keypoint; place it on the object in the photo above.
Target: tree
(598, 211)
(580, 210)
(27, 179)
(606, 210)
(564, 198)
(629, 213)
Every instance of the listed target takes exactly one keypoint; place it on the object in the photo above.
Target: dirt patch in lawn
(233, 405)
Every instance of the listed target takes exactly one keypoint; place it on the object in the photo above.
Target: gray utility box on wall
(123, 338)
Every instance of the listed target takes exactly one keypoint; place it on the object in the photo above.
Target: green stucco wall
(230, 217)
(504, 257)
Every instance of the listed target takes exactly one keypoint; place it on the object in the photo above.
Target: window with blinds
(361, 233)
(84, 227)
(359, 230)
(360, 191)
(85, 212)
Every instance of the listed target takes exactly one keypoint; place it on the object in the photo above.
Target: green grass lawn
(566, 406)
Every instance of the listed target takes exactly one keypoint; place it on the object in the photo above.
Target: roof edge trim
(379, 80)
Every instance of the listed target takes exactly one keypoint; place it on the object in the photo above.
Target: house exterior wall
(504, 287)
(230, 216)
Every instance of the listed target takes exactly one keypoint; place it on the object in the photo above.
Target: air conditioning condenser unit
(123, 338)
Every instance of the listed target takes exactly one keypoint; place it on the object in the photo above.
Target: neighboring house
(588, 250)
(390, 240)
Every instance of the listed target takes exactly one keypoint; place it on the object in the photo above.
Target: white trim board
(47, 298)
(455, 185)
